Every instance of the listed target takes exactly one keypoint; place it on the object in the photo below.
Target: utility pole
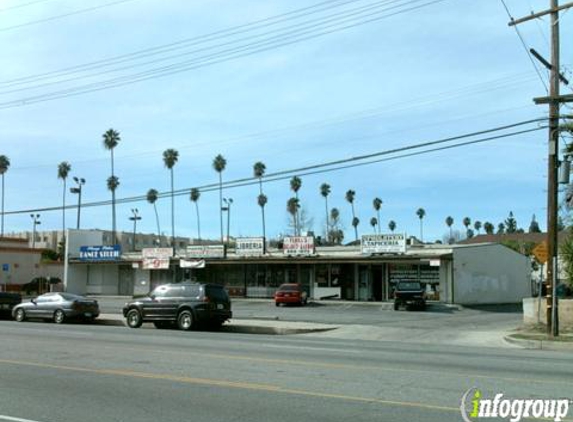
(554, 100)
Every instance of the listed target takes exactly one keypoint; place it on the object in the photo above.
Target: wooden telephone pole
(554, 100)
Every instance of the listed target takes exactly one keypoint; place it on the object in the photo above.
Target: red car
(290, 293)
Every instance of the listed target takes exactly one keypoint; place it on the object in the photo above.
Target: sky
(293, 84)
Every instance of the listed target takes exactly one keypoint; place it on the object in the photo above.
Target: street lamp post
(35, 222)
(135, 218)
(78, 190)
(228, 202)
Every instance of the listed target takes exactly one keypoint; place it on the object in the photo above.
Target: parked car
(182, 305)
(7, 303)
(291, 293)
(58, 307)
(40, 284)
(409, 294)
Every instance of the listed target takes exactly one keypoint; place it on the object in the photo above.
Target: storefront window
(322, 275)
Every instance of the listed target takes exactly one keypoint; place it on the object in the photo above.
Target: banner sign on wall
(250, 246)
(192, 263)
(205, 251)
(384, 243)
(298, 245)
(156, 258)
(100, 253)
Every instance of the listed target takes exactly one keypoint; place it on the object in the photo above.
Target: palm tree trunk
(2, 231)
(327, 220)
(421, 230)
(198, 221)
(64, 210)
(379, 221)
(221, 203)
(264, 231)
(157, 222)
(113, 203)
(296, 218)
(172, 212)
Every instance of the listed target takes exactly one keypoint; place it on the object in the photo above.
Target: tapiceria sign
(384, 243)
(100, 253)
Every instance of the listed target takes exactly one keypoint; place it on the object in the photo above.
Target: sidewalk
(537, 338)
(245, 326)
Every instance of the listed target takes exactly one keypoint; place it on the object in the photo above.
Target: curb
(539, 344)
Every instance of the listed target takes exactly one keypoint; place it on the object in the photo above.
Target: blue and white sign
(100, 253)
(5, 267)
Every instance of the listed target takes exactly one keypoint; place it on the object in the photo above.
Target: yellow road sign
(541, 252)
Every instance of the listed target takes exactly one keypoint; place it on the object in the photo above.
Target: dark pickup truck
(7, 302)
(409, 294)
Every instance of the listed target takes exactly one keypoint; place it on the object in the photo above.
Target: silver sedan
(58, 307)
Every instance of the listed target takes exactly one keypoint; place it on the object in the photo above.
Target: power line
(332, 165)
(214, 58)
(62, 16)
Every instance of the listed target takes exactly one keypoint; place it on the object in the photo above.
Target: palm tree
(195, 194)
(449, 223)
(170, 158)
(477, 226)
(355, 223)
(336, 233)
(292, 208)
(350, 194)
(111, 139)
(219, 164)
(325, 191)
(64, 169)
(374, 223)
(262, 201)
(295, 185)
(259, 169)
(377, 204)
(392, 225)
(488, 227)
(4, 165)
(467, 222)
(152, 196)
(421, 213)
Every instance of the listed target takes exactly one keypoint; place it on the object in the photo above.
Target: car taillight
(279, 294)
(206, 299)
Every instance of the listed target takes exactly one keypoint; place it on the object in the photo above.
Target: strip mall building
(462, 274)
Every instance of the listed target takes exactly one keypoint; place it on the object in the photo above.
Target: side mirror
(33, 301)
(152, 297)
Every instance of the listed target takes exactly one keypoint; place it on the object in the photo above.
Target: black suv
(184, 305)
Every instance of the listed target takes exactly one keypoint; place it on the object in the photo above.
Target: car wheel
(20, 315)
(59, 316)
(396, 306)
(133, 318)
(277, 304)
(185, 320)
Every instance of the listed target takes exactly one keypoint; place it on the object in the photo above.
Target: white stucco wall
(492, 273)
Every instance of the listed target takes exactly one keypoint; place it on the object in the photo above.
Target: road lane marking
(13, 419)
(268, 388)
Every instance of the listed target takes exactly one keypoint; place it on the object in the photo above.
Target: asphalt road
(71, 372)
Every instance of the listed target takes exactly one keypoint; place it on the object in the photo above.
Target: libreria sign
(475, 407)
(100, 253)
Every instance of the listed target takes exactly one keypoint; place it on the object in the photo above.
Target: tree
(325, 191)
(4, 165)
(152, 196)
(111, 139)
(292, 208)
(470, 233)
(488, 227)
(336, 233)
(421, 213)
(295, 185)
(534, 226)
(477, 226)
(510, 223)
(112, 184)
(259, 169)
(467, 222)
(501, 228)
(566, 253)
(374, 223)
(355, 223)
(64, 169)
(219, 164)
(194, 196)
(449, 223)
(377, 204)
(392, 225)
(350, 195)
(170, 158)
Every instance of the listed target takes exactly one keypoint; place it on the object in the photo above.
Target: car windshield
(410, 285)
(216, 293)
(69, 296)
(289, 287)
